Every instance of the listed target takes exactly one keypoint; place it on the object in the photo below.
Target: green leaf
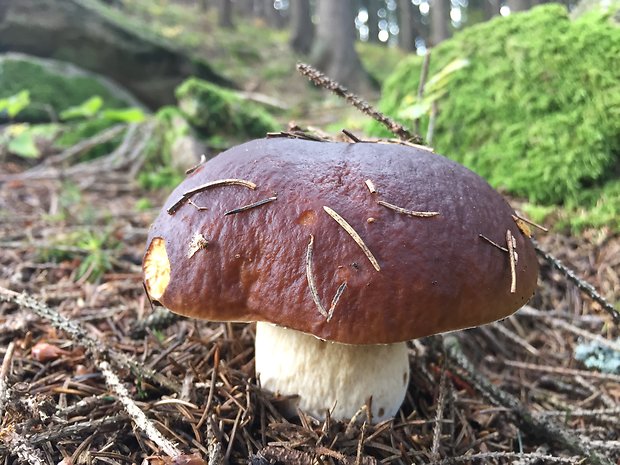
(123, 115)
(440, 80)
(87, 109)
(14, 104)
(24, 145)
(417, 110)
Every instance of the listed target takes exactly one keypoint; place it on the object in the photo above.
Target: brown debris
(197, 243)
(56, 409)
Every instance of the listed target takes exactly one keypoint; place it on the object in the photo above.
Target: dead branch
(511, 457)
(79, 335)
(138, 416)
(541, 427)
(321, 80)
(23, 449)
(4, 373)
(582, 285)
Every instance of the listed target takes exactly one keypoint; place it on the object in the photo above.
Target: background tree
(518, 5)
(225, 13)
(302, 29)
(440, 21)
(408, 25)
(333, 51)
(372, 7)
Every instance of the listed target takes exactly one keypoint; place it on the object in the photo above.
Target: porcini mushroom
(341, 253)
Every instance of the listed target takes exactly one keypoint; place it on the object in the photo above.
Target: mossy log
(99, 38)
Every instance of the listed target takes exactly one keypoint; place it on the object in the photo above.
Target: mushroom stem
(332, 376)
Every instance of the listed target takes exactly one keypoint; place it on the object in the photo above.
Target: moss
(49, 90)
(536, 112)
(159, 170)
(215, 110)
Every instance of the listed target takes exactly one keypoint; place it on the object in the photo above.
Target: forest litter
(93, 373)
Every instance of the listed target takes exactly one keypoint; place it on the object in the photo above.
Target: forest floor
(93, 374)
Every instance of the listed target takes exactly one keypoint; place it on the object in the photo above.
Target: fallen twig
(4, 373)
(512, 457)
(322, 80)
(23, 449)
(137, 415)
(79, 335)
(537, 426)
(582, 285)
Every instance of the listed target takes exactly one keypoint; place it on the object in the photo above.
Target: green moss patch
(536, 111)
(214, 110)
(53, 87)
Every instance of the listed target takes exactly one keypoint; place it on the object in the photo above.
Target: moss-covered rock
(536, 111)
(104, 40)
(55, 86)
(173, 149)
(215, 110)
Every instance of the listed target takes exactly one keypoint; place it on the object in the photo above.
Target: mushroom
(341, 253)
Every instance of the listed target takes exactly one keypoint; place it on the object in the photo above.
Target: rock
(101, 39)
(55, 86)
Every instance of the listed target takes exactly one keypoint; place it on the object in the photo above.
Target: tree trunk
(408, 27)
(518, 5)
(440, 21)
(334, 52)
(302, 29)
(225, 14)
(491, 8)
(373, 20)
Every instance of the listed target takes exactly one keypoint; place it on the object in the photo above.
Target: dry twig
(321, 80)
(137, 415)
(539, 427)
(583, 286)
(80, 336)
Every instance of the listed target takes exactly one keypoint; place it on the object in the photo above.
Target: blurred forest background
(104, 105)
(527, 95)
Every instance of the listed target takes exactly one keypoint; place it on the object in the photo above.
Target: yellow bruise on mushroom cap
(156, 268)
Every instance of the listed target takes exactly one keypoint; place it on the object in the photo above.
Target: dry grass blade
(518, 219)
(356, 237)
(404, 211)
(493, 243)
(209, 185)
(371, 186)
(250, 206)
(351, 136)
(509, 457)
(512, 254)
(312, 285)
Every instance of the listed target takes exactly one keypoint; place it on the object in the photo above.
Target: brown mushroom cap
(436, 273)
